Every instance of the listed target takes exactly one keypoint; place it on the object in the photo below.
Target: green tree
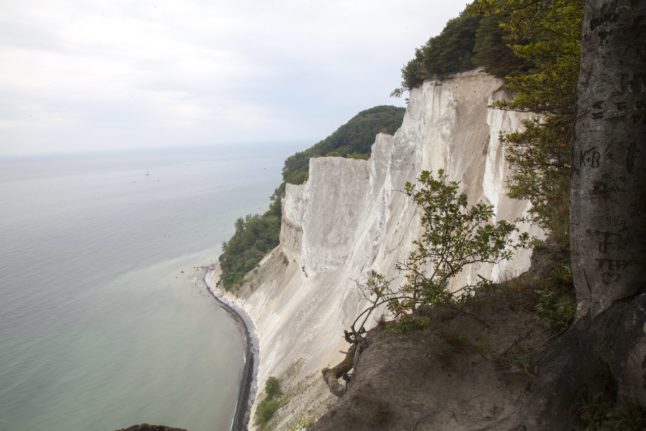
(449, 52)
(254, 237)
(492, 52)
(414, 72)
(535, 46)
(452, 50)
(545, 34)
(455, 235)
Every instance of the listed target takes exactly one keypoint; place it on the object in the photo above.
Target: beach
(248, 382)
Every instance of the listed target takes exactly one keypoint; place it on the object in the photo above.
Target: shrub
(596, 412)
(272, 388)
(265, 412)
(455, 235)
(556, 308)
(270, 404)
(556, 302)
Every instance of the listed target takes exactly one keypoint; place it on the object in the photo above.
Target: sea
(105, 321)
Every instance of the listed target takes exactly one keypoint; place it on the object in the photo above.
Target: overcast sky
(84, 75)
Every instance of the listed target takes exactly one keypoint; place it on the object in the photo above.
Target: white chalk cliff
(351, 216)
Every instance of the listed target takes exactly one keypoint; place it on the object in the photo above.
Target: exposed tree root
(331, 376)
(610, 351)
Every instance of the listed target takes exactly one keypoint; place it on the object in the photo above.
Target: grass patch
(556, 303)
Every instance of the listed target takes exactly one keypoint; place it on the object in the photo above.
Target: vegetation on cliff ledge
(254, 236)
(270, 403)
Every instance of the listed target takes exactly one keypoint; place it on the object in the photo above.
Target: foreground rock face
(351, 217)
(605, 355)
(608, 200)
(497, 366)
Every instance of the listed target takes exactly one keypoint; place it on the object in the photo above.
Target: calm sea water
(104, 319)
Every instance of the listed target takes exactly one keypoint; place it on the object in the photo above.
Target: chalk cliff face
(352, 216)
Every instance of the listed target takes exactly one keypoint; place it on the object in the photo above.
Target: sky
(95, 75)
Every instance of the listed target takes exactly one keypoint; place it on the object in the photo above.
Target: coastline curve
(247, 391)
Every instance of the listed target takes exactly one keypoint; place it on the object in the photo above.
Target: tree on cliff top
(254, 236)
(545, 35)
(466, 42)
(353, 140)
(449, 52)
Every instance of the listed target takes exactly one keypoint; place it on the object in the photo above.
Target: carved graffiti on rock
(609, 241)
(597, 109)
(613, 269)
(607, 14)
(633, 83)
(635, 111)
(622, 153)
(606, 187)
(615, 221)
(590, 158)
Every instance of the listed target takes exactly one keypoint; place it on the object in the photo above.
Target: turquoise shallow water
(104, 320)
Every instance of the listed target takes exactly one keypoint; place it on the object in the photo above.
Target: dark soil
(449, 368)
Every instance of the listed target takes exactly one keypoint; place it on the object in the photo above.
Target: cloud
(91, 74)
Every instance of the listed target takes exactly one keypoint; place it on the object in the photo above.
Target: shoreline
(246, 394)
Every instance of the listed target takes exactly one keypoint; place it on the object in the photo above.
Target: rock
(147, 427)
